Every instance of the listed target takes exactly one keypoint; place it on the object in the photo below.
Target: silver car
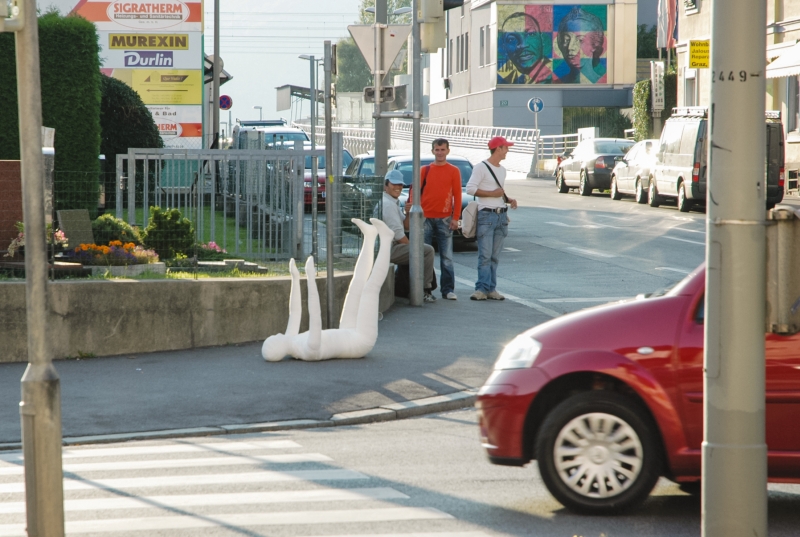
(631, 172)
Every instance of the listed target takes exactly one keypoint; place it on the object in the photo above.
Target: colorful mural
(551, 44)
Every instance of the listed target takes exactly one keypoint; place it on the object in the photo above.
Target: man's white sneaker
(450, 296)
(494, 295)
(478, 295)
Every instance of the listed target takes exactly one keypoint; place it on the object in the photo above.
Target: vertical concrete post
(734, 452)
(416, 258)
(40, 408)
(383, 126)
(314, 179)
(330, 189)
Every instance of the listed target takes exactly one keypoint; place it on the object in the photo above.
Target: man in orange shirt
(440, 198)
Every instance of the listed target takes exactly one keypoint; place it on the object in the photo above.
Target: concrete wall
(114, 317)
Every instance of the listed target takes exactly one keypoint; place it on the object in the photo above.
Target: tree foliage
(353, 71)
(642, 105)
(646, 42)
(70, 82)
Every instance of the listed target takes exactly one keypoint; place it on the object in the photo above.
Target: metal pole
(329, 189)
(734, 453)
(314, 179)
(215, 84)
(383, 126)
(416, 261)
(40, 408)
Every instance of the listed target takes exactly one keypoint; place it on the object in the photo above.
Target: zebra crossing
(263, 485)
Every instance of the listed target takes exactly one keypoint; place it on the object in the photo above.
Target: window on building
(488, 59)
(690, 87)
(466, 51)
(458, 55)
(792, 104)
(481, 45)
(450, 58)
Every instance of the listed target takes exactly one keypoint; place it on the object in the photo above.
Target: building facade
(783, 69)
(502, 53)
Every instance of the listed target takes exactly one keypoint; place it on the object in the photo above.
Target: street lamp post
(259, 111)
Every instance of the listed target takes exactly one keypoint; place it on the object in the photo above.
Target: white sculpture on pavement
(358, 325)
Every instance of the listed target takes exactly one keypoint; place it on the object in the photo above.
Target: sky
(260, 41)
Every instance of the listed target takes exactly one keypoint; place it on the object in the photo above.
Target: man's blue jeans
(440, 228)
(492, 231)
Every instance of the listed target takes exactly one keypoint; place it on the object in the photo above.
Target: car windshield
(616, 147)
(463, 166)
(346, 160)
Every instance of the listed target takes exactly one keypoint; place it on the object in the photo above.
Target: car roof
(405, 158)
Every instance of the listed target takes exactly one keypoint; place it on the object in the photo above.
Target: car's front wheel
(562, 186)
(641, 193)
(615, 195)
(598, 453)
(684, 203)
(653, 198)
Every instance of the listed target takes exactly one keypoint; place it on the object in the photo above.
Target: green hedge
(70, 75)
(642, 106)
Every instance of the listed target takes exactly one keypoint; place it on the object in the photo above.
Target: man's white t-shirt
(393, 216)
(481, 179)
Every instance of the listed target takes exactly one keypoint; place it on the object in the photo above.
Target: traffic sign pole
(535, 105)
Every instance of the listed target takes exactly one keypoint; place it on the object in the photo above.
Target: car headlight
(520, 353)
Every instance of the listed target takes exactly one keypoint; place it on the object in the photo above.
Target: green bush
(70, 78)
(168, 233)
(107, 228)
(642, 106)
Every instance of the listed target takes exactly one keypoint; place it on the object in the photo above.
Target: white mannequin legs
(358, 326)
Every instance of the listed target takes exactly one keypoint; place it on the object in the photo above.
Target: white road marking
(509, 249)
(436, 534)
(682, 271)
(241, 520)
(571, 300)
(590, 252)
(615, 217)
(682, 240)
(183, 463)
(518, 300)
(236, 498)
(194, 480)
(676, 228)
(582, 226)
(188, 447)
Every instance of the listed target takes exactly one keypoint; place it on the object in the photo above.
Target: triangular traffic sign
(394, 37)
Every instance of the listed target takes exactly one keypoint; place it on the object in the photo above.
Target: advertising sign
(552, 44)
(699, 54)
(165, 51)
(142, 16)
(179, 126)
(657, 85)
(168, 87)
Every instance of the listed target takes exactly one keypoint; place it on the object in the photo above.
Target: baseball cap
(395, 177)
(498, 141)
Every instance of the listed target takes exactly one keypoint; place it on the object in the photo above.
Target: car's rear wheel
(615, 195)
(562, 186)
(684, 204)
(584, 188)
(652, 194)
(598, 453)
(641, 193)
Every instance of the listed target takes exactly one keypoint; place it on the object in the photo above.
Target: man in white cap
(486, 183)
(394, 218)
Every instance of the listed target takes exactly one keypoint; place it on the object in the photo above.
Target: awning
(787, 64)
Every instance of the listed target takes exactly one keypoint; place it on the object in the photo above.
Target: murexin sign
(156, 48)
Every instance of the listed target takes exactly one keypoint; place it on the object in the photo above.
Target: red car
(347, 158)
(610, 398)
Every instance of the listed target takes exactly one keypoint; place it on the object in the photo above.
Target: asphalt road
(563, 253)
(425, 477)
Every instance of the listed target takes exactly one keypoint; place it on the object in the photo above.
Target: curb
(395, 411)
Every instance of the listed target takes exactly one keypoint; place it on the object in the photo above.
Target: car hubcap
(598, 455)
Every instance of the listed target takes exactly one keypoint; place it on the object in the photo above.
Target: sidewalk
(438, 349)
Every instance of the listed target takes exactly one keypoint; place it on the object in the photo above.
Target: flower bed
(115, 254)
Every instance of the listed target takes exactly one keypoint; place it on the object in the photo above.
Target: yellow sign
(148, 41)
(699, 54)
(168, 87)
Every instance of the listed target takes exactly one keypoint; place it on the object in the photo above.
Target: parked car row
(672, 167)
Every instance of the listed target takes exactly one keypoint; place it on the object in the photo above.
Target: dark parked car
(589, 165)
(631, 172)
(404, 165)
(610, 398)
(363, 165)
